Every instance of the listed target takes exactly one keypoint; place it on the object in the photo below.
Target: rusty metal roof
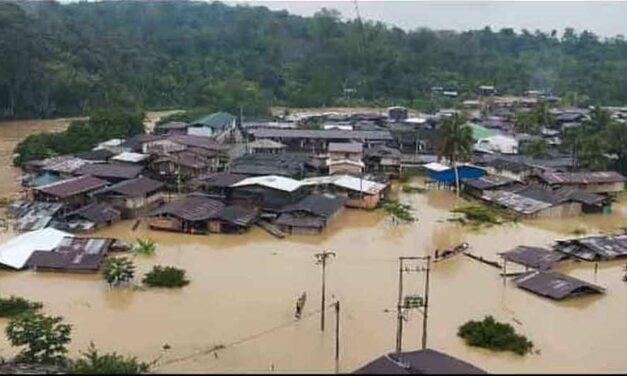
(533, 257)
(74, 186)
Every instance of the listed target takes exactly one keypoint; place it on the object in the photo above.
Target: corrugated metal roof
(321, 134)
(18, 250)
(110, 170)
(583, 177)
(534, 257)
(280, 183)
(130, 157)
(418, 362)
(555, 285)
(74, 186)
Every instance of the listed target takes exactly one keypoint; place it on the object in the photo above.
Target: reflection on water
(245, 284)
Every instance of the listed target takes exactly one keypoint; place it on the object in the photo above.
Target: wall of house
(355, 157)
(163, 223)
(300, 230)
(366, 202)
(603, 187)
(564, 210)
(344, 169)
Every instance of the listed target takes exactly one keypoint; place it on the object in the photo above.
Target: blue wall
(448, 176)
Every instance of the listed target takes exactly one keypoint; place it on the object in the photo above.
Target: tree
(537, 148)
(165, 276)
(495, 336)
(45, 337)
(14, 306)
(92, 362)
(118, 270)
(454, 142)
(526, 122)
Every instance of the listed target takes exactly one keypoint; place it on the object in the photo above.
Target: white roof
(272, 181)
(346, 161)
(415, 120)
(434, 166)
(111, 142)
(130, 157)
(18, 250)
(348, 182)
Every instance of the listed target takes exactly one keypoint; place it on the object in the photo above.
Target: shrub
(495, 336)
(108, 364)
(118, 270)
(13, 306)
(145, 247)
(165, 276)
(45, 337)
(398, 211)
(479, 214)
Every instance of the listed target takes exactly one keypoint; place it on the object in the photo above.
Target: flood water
(244, 287)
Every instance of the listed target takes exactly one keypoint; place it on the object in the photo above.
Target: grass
(478, 215)
(493, 335)
(14, 306)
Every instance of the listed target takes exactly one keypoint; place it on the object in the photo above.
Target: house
(130, 158)
(16, 252)
(172, 128)
(345, 158)
(513, 169)
(137, 142)
(603, 182)
(216, 185)
(533, 257)
(182, 166)
(72, 255)
(486, 90)
(443, 174)
(555, 285)
(132, 197)
(73, 193)
(233, 219)
(219, 125)
(479, 186)
(33, 215)
(594, 248)
(266, 146)
(64, 167)
(425, 361)
(310, 215)
(271, 192)
(96, 155)
(316, 140)
(190, 214)
(89, 217)
(284, 164)
(383, 160)
(109, 171)
(358, 192)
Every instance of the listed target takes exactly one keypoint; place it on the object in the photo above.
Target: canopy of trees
(68, 59)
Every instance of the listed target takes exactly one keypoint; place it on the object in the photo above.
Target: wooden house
(310, 215)
(73, 193)
(133, 197)
(190, 214)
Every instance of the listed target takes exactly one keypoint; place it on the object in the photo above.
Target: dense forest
(73, 58)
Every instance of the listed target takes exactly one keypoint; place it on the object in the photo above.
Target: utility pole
(337, 336)
(321, 258)
(421, 303)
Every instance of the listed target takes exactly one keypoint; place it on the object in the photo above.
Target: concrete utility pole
(321, 258)
(337, 336)
(421, 303)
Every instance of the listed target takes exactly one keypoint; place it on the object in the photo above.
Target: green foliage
(93, 362)
(13, 306)
(479, 215)
(81, 135)
(494, 336)
(165, 276)
(118, 270)
(74, 57)
(454, 139)
(146, 247)
(45, 338)
(537, 149)
(398, 211)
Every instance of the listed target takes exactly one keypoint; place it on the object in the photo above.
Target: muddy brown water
(244, 288)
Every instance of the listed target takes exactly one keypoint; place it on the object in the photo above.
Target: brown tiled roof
(110, 170)
(134, 187)
(74, 186)
(192, 208)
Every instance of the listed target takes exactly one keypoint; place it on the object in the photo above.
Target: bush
(398, 211)
(479, 214)
(118, 270)
(45, 337)
(165, 276)
(108, 364)
(13, 306)
(495, 336)
(145, 247)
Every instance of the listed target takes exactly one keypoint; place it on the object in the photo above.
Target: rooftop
(418, 362)
(130, 157)
(332, 134)
(555, 285)
(15, 252)
(280, 183)
(110, 170)
(192, 208)
(71, 187)
(345, 147)
(137, 187)
(533, 257)
(322, 205)
(596, 177)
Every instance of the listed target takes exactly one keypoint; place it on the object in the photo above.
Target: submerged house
(269, 192)
(73, 193)
(358, 192)
(345, 158)
(109, 171)
(533, 257)
(72, 255)
(478, 187)
(16, 252)
(555, 285)
(594, 248)
(516, 170)
(233, 219)
(190, 214)
(33, 215)
(89, 218)
(132, 197)
(603, 182)
(310, 215)
(383, 160)
(217, 185)
(445, 175)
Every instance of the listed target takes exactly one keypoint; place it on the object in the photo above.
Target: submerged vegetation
(398, 211)
(118, 270)
(92, 362)
(477, 215)
(145, 247)
(495, 336)
(165, 276)
(14, 306)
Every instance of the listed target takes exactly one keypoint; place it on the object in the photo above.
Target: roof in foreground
(418, 362)
(555, 285)
(18, 250)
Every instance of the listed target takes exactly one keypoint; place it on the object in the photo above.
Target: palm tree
(145, 247)
(454, 143)
(118, 270)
